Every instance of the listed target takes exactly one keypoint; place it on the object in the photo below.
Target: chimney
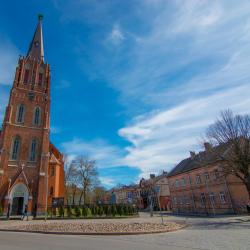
(192, 154)
(152, 176)
(207, 146)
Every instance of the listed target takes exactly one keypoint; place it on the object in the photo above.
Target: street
(202, 233)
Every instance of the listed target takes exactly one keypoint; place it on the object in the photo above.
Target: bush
(125, 209)
(84, 211)
(69, 211)
(94, 210)
(89, 213)
(1, 211)
(100, 211)
(49, 212)
(77, 211)
(130, 210)
(105, 209)
(108, 211)
(120, 210)
(61, 211)
(113, 210)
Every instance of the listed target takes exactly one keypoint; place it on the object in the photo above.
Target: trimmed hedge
(92, 211)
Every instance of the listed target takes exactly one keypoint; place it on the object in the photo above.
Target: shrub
(108, 211)
(113, 210)
(125, 209)
(84, 211)
(100, 211)
(130, 210)
(120, 210)
(77, 211)
(61, 211)
(69, 211)
(89, 213)
(1, 211)
(49, 212)
(105, 209)
(93, 210)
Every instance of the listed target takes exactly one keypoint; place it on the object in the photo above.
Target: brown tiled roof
(200, 160)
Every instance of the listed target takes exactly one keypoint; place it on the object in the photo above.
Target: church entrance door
(17, 206)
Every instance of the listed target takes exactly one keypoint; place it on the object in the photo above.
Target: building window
(33, 148)
(40, 79)
(26, 76)
(15, 148)
(222, 197)
(20, 113)
(187, 200)
(52, 171)
(51, 191)
(183, 182)
(216, 174)
(177, 183)
(190, 180)
(203, 199)
(37, 116)
(212, 198)
(198, 179)
(206, 175)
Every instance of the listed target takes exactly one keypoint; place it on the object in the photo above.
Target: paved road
(219, 233)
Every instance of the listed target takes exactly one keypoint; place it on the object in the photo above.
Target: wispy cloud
(188, 61)
(106, 181)
(9, 55)
(105, 154)
(116, 36)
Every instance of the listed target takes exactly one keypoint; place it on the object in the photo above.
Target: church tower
(26, 155)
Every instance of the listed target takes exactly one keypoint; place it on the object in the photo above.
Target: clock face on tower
(36, 43)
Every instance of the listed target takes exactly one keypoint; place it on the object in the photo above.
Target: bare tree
(71, 180)
(233, 131)
(99, 193)
(88, 175)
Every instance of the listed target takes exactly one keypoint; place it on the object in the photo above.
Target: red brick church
(31, 167)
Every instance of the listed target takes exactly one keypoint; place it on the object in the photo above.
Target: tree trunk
(84, 195)
(80, 200)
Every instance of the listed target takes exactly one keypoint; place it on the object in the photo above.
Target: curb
(83, 233)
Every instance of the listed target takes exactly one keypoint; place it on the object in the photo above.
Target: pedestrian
(8, 211)
(248, 207)
(25, 213)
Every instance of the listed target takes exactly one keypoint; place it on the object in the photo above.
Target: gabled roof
(199, 160)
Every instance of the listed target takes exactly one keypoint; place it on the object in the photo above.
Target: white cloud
(8, 60)
(191, 61)
(106, 155)
(106, 181)
(116, 36)
(171, 133)
(55, 130)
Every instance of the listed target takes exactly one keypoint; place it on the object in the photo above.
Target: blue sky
(134, 83)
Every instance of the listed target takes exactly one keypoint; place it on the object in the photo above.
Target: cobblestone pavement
(202, 233)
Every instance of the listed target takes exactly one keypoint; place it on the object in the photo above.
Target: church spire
(36, 46)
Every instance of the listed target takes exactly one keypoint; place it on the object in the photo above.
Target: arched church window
(40, 77)
(37, 116)
(20, 113)
(51, 191)
(26, 74)
(16, 145)
(33, 149)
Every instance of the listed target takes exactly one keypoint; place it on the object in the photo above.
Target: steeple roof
(36, 46)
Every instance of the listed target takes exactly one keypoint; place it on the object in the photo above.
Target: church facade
(31, 167)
